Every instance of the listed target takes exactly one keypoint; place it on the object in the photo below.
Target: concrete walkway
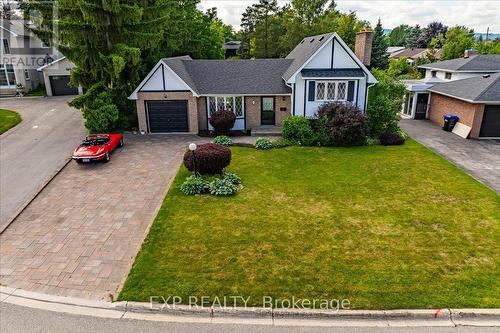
(479, 158)
(34, 150)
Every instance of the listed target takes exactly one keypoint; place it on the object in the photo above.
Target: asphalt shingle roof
(481, 63)
(303, 51)
(338, 72)
(260, 76)
(484, 88)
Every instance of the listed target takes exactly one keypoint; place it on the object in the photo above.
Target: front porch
(416, 100)
(266, 130)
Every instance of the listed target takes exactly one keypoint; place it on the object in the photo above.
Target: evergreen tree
(414, 34)
(433, 30)
(379, 48)
(399, 35)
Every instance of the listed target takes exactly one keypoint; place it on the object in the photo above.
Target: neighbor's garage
(60, 85)
(490, 126)
(167, 116)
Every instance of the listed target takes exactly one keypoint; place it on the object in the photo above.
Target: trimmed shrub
(263, 144)
(232, 177)
(344, 123)
(210, 159)
(195, 185)
(297, 129)
(223, 140)
(222, 187)
(391, 139)
(222, 121)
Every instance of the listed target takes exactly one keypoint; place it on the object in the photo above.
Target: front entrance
(490, 126)
(267, 115)
(421, 108)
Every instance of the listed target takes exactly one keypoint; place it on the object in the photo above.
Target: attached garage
(490, 126)
(60, 85)
(167, 116)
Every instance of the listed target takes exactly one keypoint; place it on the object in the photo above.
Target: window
(233, 103)
(6, 48)
(331, 90)
(433, 73)
(26, 75)
(447, 76)
(7, 75)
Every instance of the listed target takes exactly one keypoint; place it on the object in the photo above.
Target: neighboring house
(231, 48)
(56, 77)
(180, 94)
(447, 88)
(394, 49)
(413, 54)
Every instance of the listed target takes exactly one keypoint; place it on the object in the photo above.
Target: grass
(40, 91)
(8, 119)
(385, 227)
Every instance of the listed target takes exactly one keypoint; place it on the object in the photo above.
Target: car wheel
(121, 143)
(78, 161)
(106, 158)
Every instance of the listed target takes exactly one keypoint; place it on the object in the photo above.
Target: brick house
(180, 94)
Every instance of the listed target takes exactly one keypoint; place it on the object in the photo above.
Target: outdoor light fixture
(192, 147)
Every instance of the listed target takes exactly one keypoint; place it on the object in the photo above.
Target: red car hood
(84, 151)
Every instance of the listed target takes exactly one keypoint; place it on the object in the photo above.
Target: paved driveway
(33, 151)
(81, 234)
(479, 158)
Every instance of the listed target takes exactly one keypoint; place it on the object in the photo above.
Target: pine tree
(380, 59)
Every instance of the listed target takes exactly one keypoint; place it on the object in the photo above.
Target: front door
(421, 109)
(267, 111)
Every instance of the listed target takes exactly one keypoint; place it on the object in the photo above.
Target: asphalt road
(18, 319)
(35, 149)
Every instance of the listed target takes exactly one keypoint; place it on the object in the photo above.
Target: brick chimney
(470, 53)
(363, 47)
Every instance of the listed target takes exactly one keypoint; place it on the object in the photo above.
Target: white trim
(12, 32)
(195, 94)
(50, 64)
(242, 94)
(336, 83)
(370, 77)
(459, 70)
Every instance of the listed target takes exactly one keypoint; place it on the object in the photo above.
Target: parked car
(97, 147)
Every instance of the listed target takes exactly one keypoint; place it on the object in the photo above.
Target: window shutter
(312, 90)
(350, 91)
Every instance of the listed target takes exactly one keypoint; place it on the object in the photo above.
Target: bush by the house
(263, 144)
(195, 185)
(210, 159)
(223, 140)
(297, 129)
(232, 177)
(391, 139)
(222, 121)
(222, 187)
(344, 123)
(384, 104)
(282, 142)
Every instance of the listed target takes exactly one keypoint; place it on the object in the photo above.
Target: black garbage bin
(450, 120)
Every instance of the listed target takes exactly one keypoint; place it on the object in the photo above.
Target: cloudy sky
(476, 14)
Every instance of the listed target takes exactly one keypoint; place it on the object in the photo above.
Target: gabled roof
(478, 63)
(303, 51)
(478, 89)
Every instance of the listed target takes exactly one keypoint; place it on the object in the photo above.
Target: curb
(37, 191)
(252, 316)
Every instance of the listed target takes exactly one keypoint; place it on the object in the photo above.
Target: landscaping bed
(8, 119)
(385, 227)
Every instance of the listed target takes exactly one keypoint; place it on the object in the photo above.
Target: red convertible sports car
(97, 147)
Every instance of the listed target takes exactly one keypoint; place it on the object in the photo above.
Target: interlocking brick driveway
(80, 235)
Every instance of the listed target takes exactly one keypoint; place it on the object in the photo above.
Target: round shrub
(222, 187)
(297, 129)
(210, 159)
(391, 139)
(223, 140)
(263, 143)
(195, 185)
(345, 124)
(232, 177)
(222, 121)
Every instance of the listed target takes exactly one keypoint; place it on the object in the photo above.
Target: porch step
(7, 92)
(266, 131)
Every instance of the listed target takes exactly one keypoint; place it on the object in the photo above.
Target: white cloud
(476, 14)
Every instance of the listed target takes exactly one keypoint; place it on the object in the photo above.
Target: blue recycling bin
(450, 120)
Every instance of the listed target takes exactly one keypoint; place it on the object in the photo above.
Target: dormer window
(447, 76)
(433, 73)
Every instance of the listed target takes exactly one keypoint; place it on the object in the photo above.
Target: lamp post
(192, 148)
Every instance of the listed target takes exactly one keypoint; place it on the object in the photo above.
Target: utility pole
(487, 33)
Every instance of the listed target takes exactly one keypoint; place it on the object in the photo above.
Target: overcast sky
(476, 14)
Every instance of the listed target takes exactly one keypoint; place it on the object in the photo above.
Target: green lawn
(8, 119)
(385, 227)
(40, 91)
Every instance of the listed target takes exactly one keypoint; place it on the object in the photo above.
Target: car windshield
(95, 141)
